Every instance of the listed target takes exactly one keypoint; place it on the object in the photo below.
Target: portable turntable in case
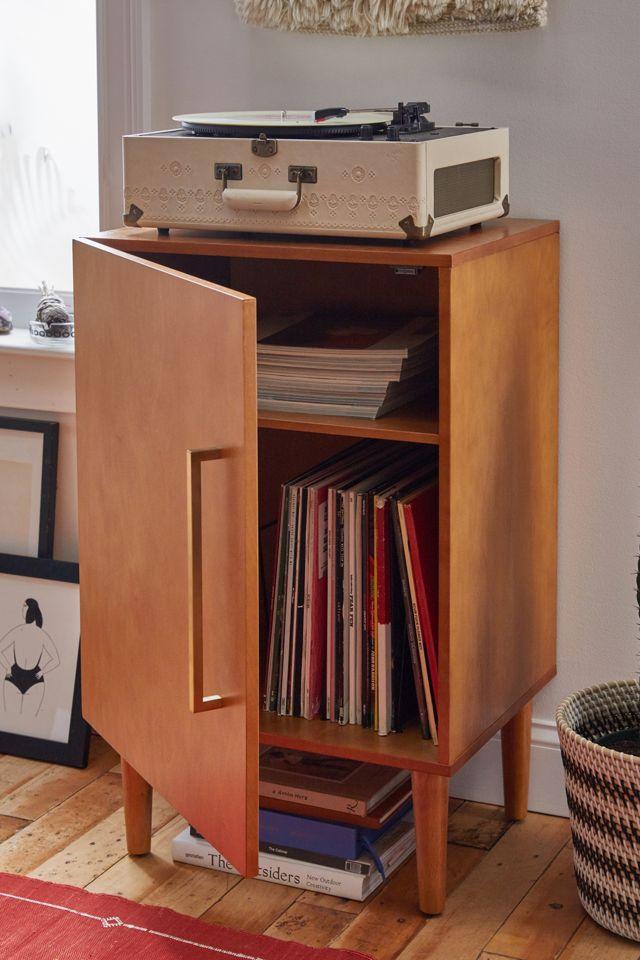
(334, 172)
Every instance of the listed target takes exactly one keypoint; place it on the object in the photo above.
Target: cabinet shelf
(417, 422)
(407, 749)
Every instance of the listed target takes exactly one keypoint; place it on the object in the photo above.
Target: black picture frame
(75, 752)
(50, 431)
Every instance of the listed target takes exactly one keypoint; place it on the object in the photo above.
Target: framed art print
(28, 466)
(40, 711)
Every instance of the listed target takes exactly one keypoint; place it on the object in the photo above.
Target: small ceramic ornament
(51, 308)
(6, 321)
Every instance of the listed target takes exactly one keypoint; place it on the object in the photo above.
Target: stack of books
(306, 842)
(344, 366)
(353, 627)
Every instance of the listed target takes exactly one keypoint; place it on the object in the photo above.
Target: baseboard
(481, 778)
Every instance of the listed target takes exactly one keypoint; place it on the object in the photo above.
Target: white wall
(569, 94)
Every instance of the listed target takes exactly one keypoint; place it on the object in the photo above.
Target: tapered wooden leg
(516, 762)
(137, 810)
(431, 812)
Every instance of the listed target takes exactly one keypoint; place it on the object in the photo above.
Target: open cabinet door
(166, 421)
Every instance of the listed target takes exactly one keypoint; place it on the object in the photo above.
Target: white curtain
(48, 138)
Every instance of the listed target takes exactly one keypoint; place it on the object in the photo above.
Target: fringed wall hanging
(379, 18)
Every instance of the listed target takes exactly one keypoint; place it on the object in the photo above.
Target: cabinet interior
(298, 285)
(294, 287)
(288, 444)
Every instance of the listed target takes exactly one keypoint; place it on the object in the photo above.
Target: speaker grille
(463, 185)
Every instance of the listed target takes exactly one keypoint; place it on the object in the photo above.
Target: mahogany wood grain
(446, 251)
(495, 421)
(165, 363)
(431, 812)
(199, 699)
(406, 750)
(361, 291)
(138, 802)
(516, 764)
(498, 480)
(416, 422)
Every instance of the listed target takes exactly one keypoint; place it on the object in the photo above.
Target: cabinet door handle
(198, 702)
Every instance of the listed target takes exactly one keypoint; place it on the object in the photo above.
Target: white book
(331, 600)
(309, 574)
(298, 597)
(288, 602)
(420, 642)
(391, 851)
(383, 663)
(347, 609)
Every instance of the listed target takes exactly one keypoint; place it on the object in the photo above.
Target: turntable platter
(328, 123)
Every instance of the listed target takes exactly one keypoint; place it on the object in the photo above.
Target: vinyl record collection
(353, 631)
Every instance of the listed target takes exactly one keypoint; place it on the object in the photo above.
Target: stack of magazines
(353, 627)
(344, 366)
(310, 835)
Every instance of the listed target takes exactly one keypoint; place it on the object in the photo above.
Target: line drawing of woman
(22, 650)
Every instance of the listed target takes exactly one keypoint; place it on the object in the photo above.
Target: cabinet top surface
(446, 251)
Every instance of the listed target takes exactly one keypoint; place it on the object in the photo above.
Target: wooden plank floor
(511, 888)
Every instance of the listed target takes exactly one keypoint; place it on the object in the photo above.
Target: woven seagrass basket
(603, 792)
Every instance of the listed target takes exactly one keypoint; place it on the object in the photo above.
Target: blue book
(321, 836)
(332, 844)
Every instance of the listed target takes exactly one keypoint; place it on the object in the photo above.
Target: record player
(335, 172)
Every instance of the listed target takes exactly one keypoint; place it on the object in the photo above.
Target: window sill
(19, 341)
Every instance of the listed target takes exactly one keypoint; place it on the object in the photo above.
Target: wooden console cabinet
(178, 469)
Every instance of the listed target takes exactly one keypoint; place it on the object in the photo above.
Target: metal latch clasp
(263, 147)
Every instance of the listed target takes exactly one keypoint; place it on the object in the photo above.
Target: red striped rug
(46, 921)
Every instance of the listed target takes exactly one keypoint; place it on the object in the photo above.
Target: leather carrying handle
(269, 201)
(198, 702)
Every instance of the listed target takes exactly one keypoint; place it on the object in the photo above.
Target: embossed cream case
(385, 174)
